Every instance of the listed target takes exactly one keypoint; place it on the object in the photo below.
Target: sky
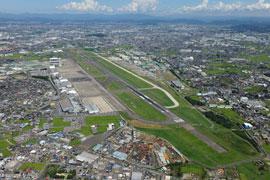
(151, 7)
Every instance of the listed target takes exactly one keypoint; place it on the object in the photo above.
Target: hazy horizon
(149, 7)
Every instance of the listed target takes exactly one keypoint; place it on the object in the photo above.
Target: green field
(23, 121)
(254, 89)
(237, 147)
(31, 56)
(179, 169)
(129, 78)
(266, 147)
(31, 141)
(113, 86)
(194, 169)
(4, 148)
(85, 130)
(42, 121)
(251, 171)
(158, 96)
(101, 122)
(198, 151)
(195, 100)
(221, 68)
(92, 70)
(259, 58)
(230, 114)
(58, 124)
(33, 166)
(267, 103)
(27, 128)
(75, 142)
(82, 61)
(219, 134)
(190, 114)
(140, 107)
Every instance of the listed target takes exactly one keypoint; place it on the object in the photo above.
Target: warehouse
(86, 157)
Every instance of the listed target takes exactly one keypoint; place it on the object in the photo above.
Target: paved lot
(89, 90)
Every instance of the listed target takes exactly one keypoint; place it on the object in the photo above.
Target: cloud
(203, 6)
(225, 7)
(220, 6)
(259, 5)
(86, 5)
(139, 6)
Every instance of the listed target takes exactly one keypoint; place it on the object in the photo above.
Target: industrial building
(55, 61)
(86, 157)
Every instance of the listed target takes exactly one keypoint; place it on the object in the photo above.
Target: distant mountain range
(258, 24)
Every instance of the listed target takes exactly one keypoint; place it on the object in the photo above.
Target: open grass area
(158, 96)
(267, 103)
(219, 134)
(101, 122)
(82, 61)
(113, 86)
(250, 171)
(27, 128)
(42, 121)
(179, 169)
(85, 130)
(31, 141)
(22, 121)
(4, 148)
(198, 151)
(221, 68)
(254, 89)
(194, 169)
(140, 124)
(140, 107)
(92, 70)
(58, 124)
(230, 114)
(259, 58)
(75, 142)
(33, 166)
(31, 56)
(266, 147)
(129, 78)
(195, 100)
(238, 148)
(190, 114)
(56, 129)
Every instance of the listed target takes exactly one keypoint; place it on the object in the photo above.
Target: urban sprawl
(133, 101)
